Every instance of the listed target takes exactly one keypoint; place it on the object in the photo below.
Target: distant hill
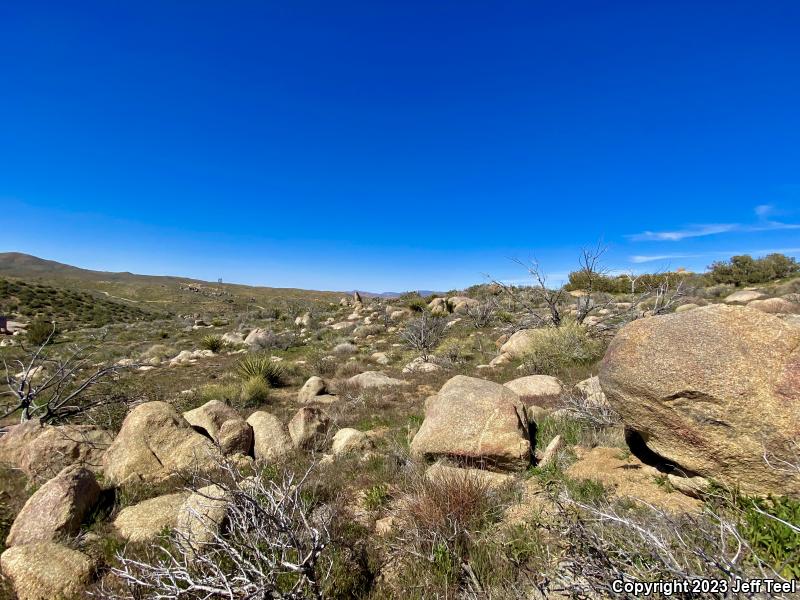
(160, 292)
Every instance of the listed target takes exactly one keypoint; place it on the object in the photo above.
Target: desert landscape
(170, 438)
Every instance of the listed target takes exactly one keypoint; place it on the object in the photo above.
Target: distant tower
(219, 280)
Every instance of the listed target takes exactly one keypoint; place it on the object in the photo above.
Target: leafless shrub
(482, 313)
(424, 333)
(268, 547)
(585, 408)
(55, 388)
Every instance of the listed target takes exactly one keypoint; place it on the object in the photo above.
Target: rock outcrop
(477, 421)
(715, 390)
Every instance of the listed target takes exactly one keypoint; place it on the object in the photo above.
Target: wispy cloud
(681, 234)
(763, 223)
(643, 258)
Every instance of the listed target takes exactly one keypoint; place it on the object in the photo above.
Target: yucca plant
(212, 342)
(261, 365)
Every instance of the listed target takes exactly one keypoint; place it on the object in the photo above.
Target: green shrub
(744, 269)
(261, 365)
(417, 305)
(556, 350)
(212, 342)
(769, 536)
(39, 330)
(255, 391)
(376, 496)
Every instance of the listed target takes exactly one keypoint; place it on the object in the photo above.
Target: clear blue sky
(397, 145)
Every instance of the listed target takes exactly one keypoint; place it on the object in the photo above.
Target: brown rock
(712, 390)
(57, 509)
(47, 571)
(475, 420)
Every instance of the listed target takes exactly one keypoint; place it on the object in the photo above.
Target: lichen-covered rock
(155, 444)
(475, 420)
(713, 390)
(47, 571)
(56, 509)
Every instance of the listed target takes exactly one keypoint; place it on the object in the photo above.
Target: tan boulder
(438, 306)
(47, 571)
(532, 387)
(743, 297)
(56, 509)
(590, 390)
(155, 444)
(315, 386)
(475, 420)
(210, 416)
(236, 437)
(270, 440)
(775, 306)
(461, 304)
(146, 520)
(713, 390)
(520, 342)
(374, 379)
(201, 516)
(308, 425)
(350, 441)
(490, 480)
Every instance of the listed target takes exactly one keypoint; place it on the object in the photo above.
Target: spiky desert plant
(261, 365)
(212, 342)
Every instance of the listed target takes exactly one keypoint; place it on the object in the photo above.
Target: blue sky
(397, 145)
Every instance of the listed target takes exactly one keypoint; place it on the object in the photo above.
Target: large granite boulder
(47, 571)
(476, 421)
(56, 509)
(270, 438)
(716, 391)
(155, 444)
(144, 521)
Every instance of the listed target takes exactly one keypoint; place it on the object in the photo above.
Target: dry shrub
(351, 367)
(561, 350)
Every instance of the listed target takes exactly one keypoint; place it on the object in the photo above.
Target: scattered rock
(519, 343)
(374, 379)
(201, 516)
(46, 571)
(233, 338)
(350, 441)
(743, 296)
(533, 387)
(210, 416)
(270, 440)
(590, 390)
(380, 357)
(711, 391)
(146, 520)
(236, 437)
(308, 425)
(315, 386)
(475, 420)
(489, 479)
(56, 509)
(419, 365)
(550, 453)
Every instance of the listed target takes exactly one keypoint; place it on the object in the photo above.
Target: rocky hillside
(481, 445)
